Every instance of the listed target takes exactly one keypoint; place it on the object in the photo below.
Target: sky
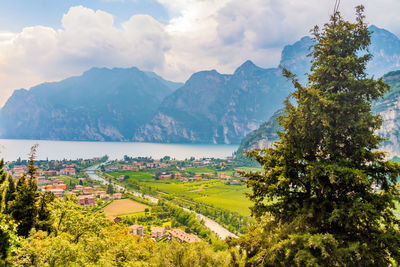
(49, 40)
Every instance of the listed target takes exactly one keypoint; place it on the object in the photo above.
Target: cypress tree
(326, 196)
(3, 174)
(23, 208)
(9, 194)
(44, 222)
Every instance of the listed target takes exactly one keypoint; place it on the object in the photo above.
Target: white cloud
(88, 38)
(202, 34)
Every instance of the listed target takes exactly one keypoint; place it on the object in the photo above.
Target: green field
(124, 207)
(215, 191)
(202, 169)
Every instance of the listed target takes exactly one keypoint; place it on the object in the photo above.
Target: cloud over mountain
(200, 34)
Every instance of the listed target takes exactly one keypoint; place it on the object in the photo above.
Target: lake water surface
(12, 149)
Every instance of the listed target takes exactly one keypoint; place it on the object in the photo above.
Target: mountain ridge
(209, 107)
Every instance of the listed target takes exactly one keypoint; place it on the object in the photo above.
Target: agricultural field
(124, 207)
(214, 191)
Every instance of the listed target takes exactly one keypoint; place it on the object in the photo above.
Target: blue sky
(17, 14)
(49, 40)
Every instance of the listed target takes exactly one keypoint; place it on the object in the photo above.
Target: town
(69, 178)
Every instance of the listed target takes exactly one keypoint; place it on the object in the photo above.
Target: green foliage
(23, 208)
(86, 238)
(175, 254)
(316, 198)
(110, 188)
(44, 222)
(8, 238)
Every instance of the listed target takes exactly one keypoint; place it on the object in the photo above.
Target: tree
(9, 194)
(44, 221)
(23, 208)
(316, 199)
(110, 188)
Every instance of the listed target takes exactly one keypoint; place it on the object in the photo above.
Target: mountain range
(388, 108)
(101, 105)
(133, 105)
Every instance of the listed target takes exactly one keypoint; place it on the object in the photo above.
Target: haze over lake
(11, 149)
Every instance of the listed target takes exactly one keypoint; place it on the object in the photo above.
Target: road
(221, 231)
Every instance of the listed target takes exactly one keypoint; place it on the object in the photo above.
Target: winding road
(221, 231)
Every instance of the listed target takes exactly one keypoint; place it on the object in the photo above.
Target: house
(182, 236)
(198, 177)
(61, 186)
(222, 175)
(57, 192)
(136, 230)
(157, 232)
(165, 176)
(113, 168)
(18, 170)
(117, 195)
(133, 168)
(75, 191)
(67, 171)
(79, 187)
(42, 181)
(177, 175)
(50, 173)
(87, 190)
(99, 192)
(48, 187)
(209, 174)
(87, 200)
(104, 196)
(69, 166)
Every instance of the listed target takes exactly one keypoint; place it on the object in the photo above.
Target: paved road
(211, 224)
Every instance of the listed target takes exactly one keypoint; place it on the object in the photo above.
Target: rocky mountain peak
(247, 68)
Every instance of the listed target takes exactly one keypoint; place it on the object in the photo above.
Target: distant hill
(385, 49)
(388, 108)
(129, 104)
(101, 105)
(264, 136)
(217, 108)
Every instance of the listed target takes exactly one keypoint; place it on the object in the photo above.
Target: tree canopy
(326, 195)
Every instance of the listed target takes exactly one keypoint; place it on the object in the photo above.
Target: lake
(11, 149)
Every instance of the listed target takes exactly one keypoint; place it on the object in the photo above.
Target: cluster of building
(18, 170)
(158, 233)
(87, 195)
(137, 166)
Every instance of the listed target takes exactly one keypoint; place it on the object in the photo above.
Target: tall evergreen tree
(44, 222)
(23, 208)
(9, 194)
(325, 196)
(3, 174)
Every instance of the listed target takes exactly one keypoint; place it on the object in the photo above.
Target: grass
(135, 175)
(124, 207)
(214, 191)
(202, 170)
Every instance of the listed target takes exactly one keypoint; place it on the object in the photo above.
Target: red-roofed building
(87, 200)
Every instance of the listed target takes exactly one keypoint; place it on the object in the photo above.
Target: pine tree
(9, 194)
(44, 222)
(110, 188)
(23, 208)
(3, 174)
(325, 196)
